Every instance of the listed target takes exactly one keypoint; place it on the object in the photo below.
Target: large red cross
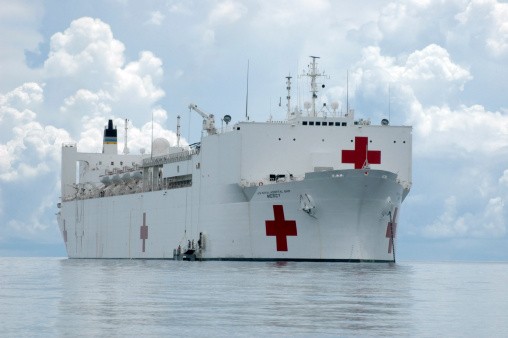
(361, 156)
(143, 231)
(280, 228)
(391, 230)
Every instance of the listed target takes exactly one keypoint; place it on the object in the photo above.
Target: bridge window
(318, 123)
(311, 123)
(304, 123)
(344, 124)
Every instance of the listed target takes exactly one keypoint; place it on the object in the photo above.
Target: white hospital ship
(319, 186)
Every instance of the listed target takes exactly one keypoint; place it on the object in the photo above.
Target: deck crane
(208, 119)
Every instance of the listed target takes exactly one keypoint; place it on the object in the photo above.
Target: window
(337, 123)
(318, 123)
(344, 124)
(112, 163)
(311, 123)
(121, 163)
(304, 123)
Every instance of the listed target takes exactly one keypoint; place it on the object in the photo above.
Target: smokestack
(110, 139)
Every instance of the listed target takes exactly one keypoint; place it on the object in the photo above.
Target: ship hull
(336, 215)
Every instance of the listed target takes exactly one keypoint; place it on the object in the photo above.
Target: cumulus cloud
(424, 84)
(487, 223)
(428, 75)
(88, 57)
(28, 148)
(486, 21)
(463, 131)
(86, 48)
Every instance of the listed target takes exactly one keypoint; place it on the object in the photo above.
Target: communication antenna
(151, 143)
(178, 131)
(347, 92)
(389, 102)
(125, 147)
(247, 94)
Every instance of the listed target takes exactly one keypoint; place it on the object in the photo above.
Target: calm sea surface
(62, 297)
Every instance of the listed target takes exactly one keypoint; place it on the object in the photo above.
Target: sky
(439, 66)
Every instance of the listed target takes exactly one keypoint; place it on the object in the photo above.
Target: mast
(125, 147)
(313, 74)
(178, 131)
(288, 82)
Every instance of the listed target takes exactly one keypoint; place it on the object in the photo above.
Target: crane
(208, 119)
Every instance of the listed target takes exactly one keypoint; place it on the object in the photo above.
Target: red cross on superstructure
(391, 230)
(143, 231)
(361, 156)
(280, 228)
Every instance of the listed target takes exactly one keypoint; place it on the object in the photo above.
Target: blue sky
(66, 67)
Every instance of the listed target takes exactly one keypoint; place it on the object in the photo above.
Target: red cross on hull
(280, 228)
(391, 230)
(143, 231)
(361, 156)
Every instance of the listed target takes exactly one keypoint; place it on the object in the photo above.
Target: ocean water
(63, 297)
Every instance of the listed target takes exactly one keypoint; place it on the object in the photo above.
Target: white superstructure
(312, 187)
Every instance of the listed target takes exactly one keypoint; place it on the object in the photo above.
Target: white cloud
(426, 76)
(434, 62)
(486, 21)
(504, 179)
(86, 102)
(486, 223)
(226, 12)
(36, 222)
(26, 96)
(86, 50)
(29, 149)
(91, 62)
(422, 83)
(156, 18)
(141, 79)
